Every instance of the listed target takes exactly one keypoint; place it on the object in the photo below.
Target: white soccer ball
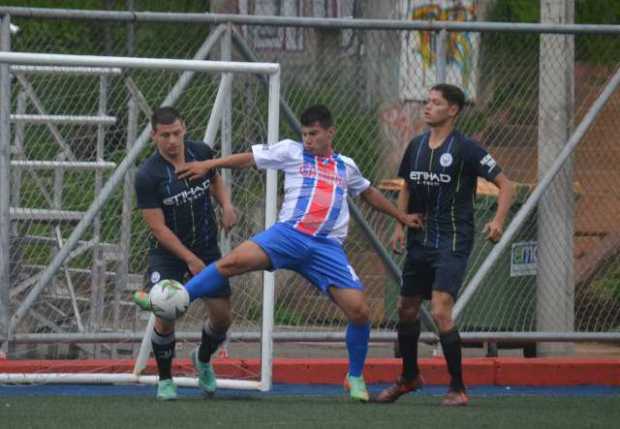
(169, 299)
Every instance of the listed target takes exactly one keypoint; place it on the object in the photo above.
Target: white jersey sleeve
(278, 156)
(356, 183)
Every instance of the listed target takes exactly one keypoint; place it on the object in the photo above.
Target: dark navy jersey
(442, 187)
(187, 206)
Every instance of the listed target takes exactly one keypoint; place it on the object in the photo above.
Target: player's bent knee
(246, 257)
(443, 319)
(219, 312)
(164, 327)
(221, 324)
(231, 265)
(407, 313)
(409, 308)
(357, 312)
(360, 314)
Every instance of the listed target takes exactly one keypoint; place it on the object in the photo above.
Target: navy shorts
(321, 260)
(164, 266)
(427, 269)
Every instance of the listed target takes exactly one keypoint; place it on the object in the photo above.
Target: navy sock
(451, 345)
(408, 336)
(206, 283)
(357, 346)
(163, 349)
(210, 343)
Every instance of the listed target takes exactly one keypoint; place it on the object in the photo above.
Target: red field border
(478, 371)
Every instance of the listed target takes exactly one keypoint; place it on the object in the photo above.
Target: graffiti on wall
(418, 58)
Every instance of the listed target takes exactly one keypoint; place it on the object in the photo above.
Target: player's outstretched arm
(376, 199)
(495, 228)
(196, 169)
(398, 239)
(222, 196)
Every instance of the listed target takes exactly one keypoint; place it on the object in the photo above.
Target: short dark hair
(452, 93)
(317, 113)
(165, 115)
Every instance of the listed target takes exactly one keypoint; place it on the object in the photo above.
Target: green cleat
(206, 376)
(357, 388)
(166, 390)
(142, 300)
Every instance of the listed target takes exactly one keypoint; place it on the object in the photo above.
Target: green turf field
(306, 412)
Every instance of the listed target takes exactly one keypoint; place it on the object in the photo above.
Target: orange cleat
(455, 399)
(399, 388)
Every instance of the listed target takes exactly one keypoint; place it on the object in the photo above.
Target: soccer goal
(79, 125)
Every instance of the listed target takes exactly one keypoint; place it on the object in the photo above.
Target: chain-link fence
(374, 80)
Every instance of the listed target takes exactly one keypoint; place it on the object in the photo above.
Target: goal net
(78, 247)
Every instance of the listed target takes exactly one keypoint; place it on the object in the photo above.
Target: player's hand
(398, 239)
(194, 170)
(229, 218)
(195, 265)
(493, 230)
(413, 220)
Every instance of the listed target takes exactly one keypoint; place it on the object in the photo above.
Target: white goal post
(59, 62)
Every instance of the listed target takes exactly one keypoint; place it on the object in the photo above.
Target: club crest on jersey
(155, 277)
(445, 160)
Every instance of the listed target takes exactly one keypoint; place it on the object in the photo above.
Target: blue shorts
(427, 269)
(320, 260)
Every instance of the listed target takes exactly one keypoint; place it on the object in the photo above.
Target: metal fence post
(441, 58)
(5, 156)
(226, 129)
(555, 291)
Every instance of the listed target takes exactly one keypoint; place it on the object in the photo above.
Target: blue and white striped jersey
(315, 188)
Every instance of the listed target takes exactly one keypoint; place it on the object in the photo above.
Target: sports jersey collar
(333, 156)
(453, 134)
(326, 159)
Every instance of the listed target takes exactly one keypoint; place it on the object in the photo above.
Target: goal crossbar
(30, 58)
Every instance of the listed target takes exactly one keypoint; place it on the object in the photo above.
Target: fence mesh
(375, 82)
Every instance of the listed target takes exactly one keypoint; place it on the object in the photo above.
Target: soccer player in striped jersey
(183, 229)
(440, 169)
(310, 230)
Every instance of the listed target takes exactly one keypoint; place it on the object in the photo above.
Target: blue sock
(206, 283)
(357, 346)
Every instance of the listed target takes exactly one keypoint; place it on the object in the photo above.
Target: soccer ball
(169, 299)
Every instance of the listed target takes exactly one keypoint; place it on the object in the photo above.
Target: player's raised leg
(211, 283)
(248, 256)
